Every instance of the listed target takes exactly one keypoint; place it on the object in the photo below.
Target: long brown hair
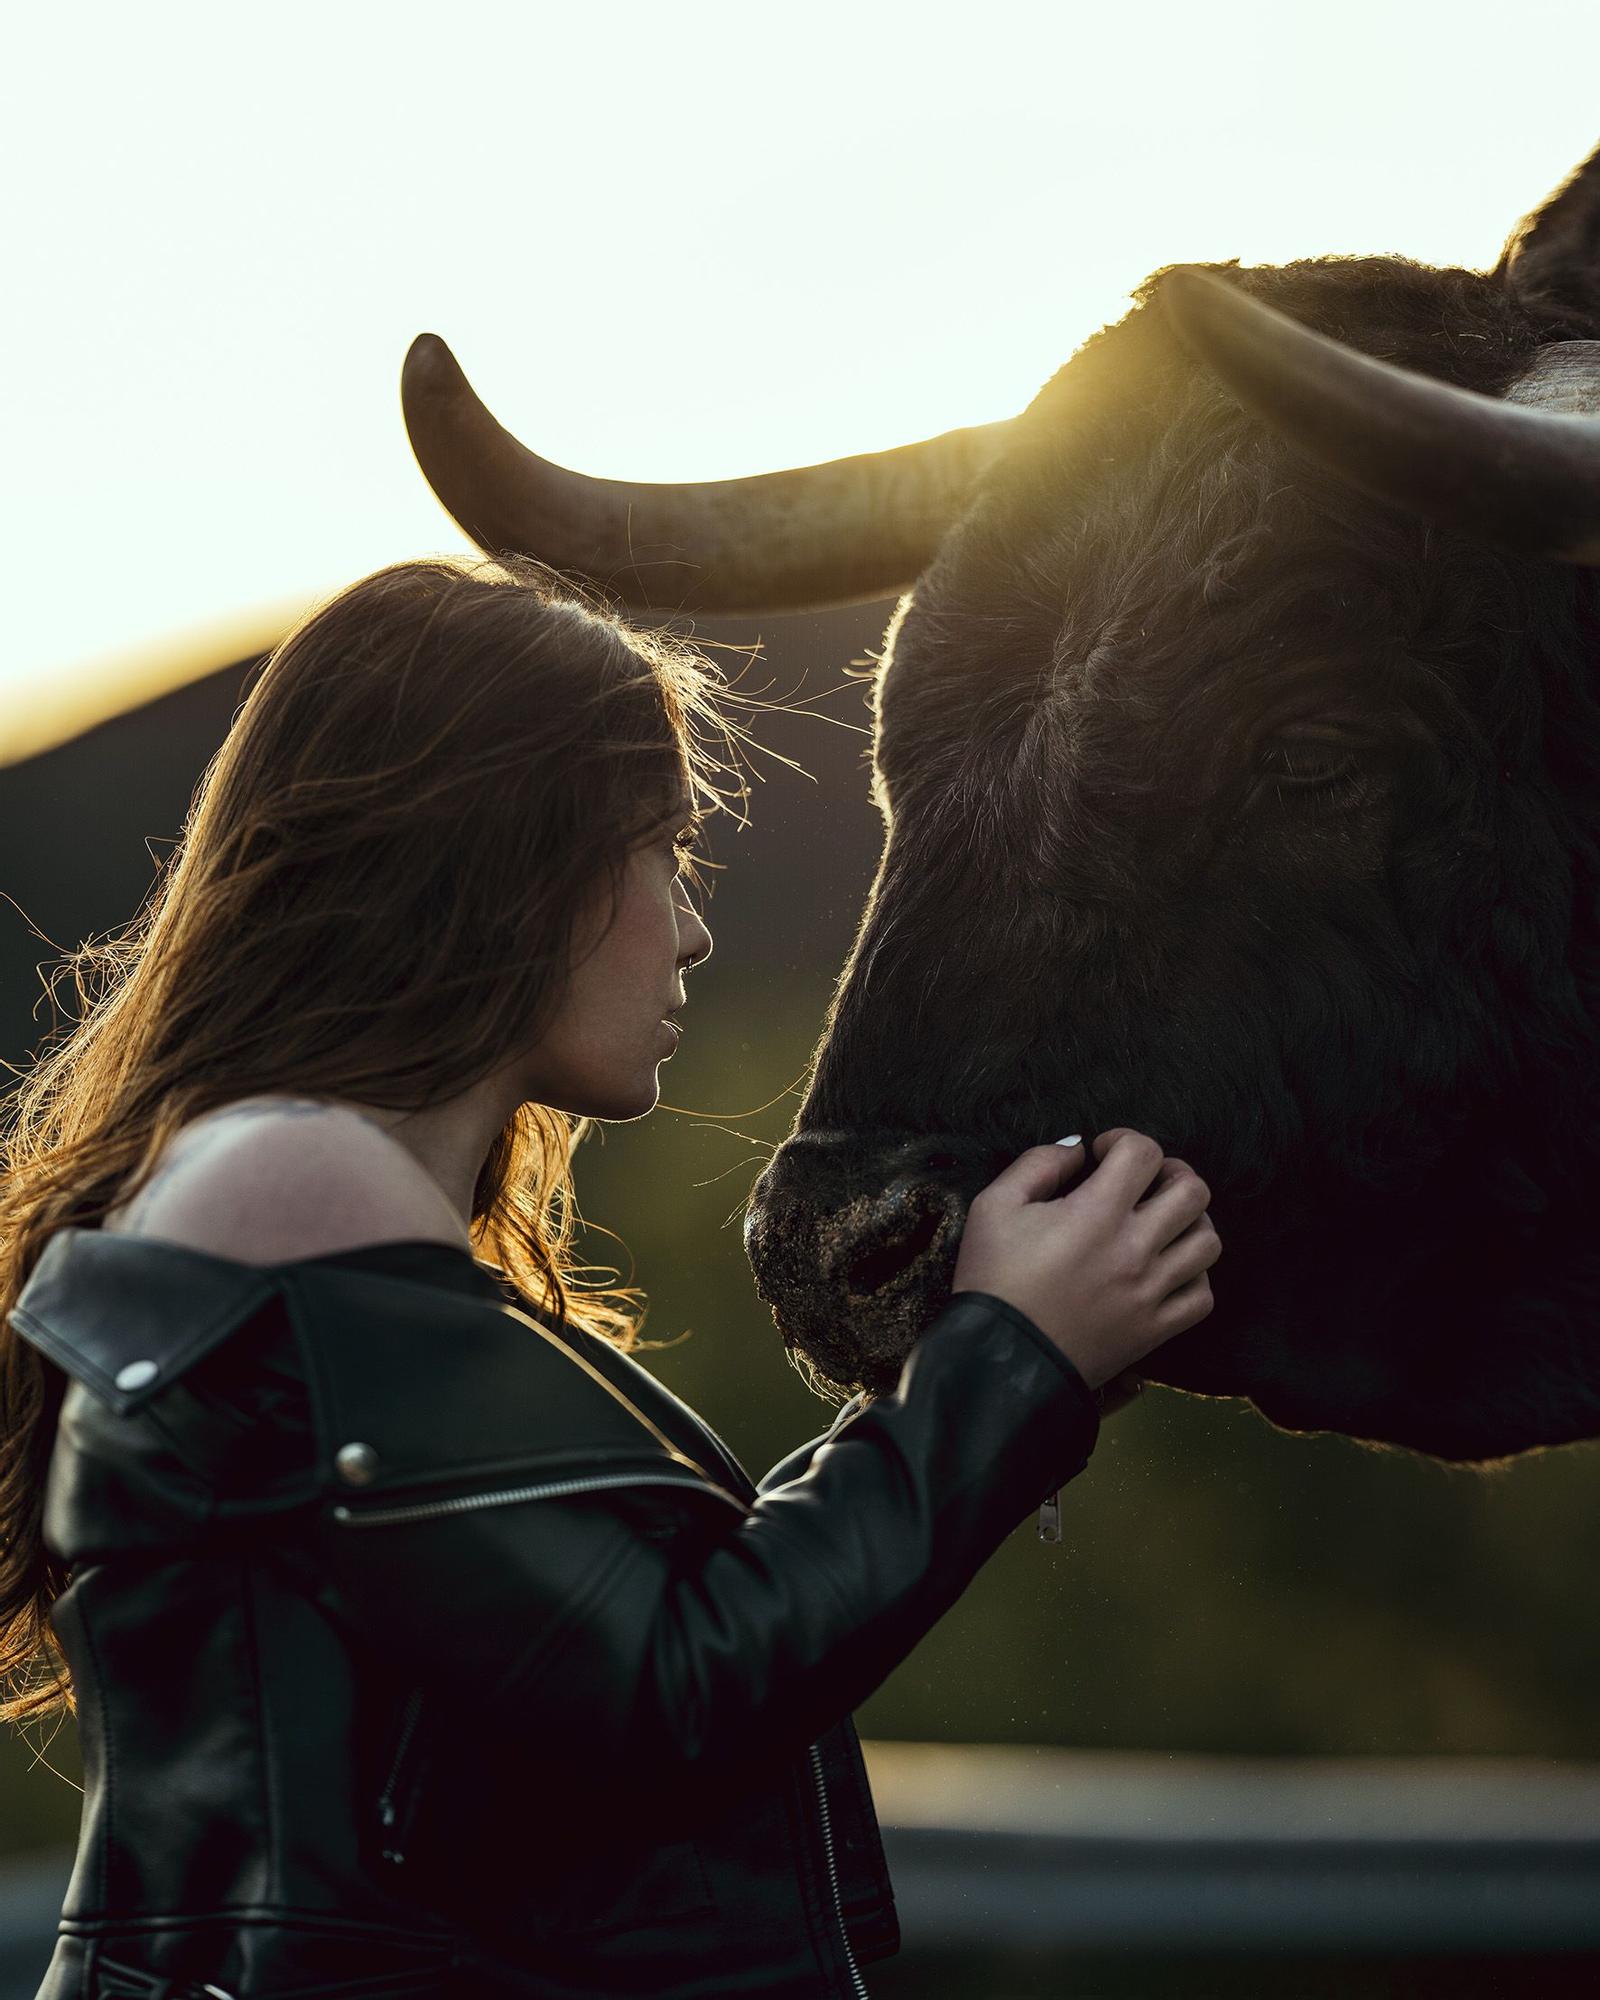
(373, 898)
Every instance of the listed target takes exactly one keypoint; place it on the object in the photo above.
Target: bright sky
(666, 242)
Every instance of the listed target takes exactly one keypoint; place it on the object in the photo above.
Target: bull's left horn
(840, 533)
(1525, 477)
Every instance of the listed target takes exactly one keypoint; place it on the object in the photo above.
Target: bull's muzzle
(853, 1240)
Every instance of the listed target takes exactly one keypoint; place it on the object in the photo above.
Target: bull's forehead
(1159, 613)
(1141, 519)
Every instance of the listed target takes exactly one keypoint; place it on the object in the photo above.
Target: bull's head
(1239, 753)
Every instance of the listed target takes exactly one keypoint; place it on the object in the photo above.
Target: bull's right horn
(840, 533)
(1522, 471)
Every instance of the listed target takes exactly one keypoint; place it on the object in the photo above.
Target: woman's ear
(1552, 261)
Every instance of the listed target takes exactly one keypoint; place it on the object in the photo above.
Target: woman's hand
(1108, 1271)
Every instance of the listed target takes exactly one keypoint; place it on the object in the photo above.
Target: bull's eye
(1304, 764)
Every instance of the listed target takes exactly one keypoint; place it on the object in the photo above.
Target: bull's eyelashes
(1304, 766)
(1310, 761)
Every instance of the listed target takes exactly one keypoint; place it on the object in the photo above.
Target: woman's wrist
(1031, 1330)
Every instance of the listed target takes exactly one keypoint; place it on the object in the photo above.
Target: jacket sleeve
(793, 1463)
(644, 1669)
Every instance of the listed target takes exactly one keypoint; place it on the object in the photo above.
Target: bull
(1237, 741)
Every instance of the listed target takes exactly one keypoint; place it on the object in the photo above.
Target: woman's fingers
(1129, 1162)
(1036, 1175)
(1171, 1170)
(1174, 1201)
(1185, 1307)
(1188, 1256)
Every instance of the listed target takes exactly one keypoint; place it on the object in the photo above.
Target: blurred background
(691, 243)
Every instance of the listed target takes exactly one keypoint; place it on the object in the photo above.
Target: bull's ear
(1552, 262)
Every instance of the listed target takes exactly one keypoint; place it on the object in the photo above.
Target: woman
(421, 1643)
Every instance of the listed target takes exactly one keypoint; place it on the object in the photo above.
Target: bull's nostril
(941, 1163)
(869, 1269)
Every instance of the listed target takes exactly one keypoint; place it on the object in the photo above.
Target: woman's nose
(694, 940)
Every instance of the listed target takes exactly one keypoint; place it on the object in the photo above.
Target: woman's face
(599, 1056)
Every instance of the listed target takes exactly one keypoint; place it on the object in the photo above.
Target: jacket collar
(128, 1316)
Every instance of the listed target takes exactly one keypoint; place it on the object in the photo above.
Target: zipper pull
(391, 1849)
(1050, 1519)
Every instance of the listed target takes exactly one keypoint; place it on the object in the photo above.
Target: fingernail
(1075, 1140)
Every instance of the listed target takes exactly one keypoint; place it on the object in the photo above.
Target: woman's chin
(647, 1100)
(615, 1102)
(614, 1094)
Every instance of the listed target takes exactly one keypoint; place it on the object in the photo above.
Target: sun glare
(664, 243)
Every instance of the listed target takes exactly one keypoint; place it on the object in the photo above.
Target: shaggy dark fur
(1227, 804)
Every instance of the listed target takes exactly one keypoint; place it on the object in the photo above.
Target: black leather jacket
(424, 1648)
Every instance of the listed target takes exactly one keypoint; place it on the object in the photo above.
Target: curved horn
(841, 533)
(1523, 476)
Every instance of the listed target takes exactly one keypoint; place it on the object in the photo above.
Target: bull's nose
(868, 1205)
(898, 1229)
(853, 1238)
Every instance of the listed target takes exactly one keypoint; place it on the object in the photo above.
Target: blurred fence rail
(30, 1900)
(1023, 1871)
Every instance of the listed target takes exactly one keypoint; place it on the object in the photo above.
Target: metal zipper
(391, 1784)
(833, 1878)
(1050, 1519)
(506, 1496)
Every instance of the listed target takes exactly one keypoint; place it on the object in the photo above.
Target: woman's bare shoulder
(267, 1180)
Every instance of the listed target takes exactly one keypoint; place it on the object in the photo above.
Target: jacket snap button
(357, 1464)
(136, 1374)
